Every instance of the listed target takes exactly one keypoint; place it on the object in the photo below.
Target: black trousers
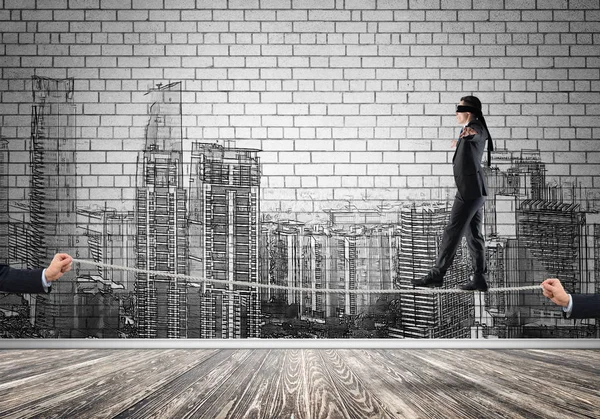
(466, 219)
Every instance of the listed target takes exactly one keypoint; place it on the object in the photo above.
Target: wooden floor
(303, 383)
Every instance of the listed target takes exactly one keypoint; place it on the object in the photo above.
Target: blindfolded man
(467, 211)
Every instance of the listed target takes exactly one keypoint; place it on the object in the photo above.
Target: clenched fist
(60, 264)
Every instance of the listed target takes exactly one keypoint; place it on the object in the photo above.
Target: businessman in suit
(575, 306)
(35, 280)
(466, 216)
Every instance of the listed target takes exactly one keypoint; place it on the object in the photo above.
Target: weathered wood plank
(22, 364)
(198, 390)
(353, 391)
(384, 380)
(426, 392)
(290, 392)
(132, 380)
(300, 383)
(68, 387)
(325, 399)
(260, 389)
(508, 370)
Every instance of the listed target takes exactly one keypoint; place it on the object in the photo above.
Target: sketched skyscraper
(53, 178)
(224, 236)
(316, 245)
(530, 162)
(552, 242)
(374, 267)
(4, 200)
(430, 315)
(111, 237)
(161, 220)
(281, 260)
(52, 200)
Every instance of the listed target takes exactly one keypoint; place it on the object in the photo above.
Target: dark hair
(476, 103)
(472, 101)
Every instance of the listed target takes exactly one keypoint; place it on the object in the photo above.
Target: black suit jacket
(466, 163)
(20, 280)
(585, 306)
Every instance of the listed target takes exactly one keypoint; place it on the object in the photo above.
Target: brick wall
(351, 101)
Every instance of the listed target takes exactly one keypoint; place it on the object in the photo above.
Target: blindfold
(464, 108)
(476, 111)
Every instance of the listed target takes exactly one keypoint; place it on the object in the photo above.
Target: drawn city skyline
(200, 216)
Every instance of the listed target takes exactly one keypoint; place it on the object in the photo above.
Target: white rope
(303, 289)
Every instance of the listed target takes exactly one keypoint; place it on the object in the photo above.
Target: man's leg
(460, 216)
(476, 243)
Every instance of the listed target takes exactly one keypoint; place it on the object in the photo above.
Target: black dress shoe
(477, 283)
(429, 280)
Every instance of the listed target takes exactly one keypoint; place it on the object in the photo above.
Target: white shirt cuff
(569, 308)
(45, 283)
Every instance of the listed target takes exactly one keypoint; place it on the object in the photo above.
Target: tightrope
(303, 289)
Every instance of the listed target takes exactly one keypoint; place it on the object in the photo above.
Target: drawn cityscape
(198, 214)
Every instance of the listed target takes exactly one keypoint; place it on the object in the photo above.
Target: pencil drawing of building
(596, 257)
(53, 178)
(48, 224)
(281, 262)
(552, 236)
(495, 303)
(224, 236)
(535, 231)
(96, 312)
(360, 261)
(340, 266)
(111, 237)
(315, 261)
(374, 266)
(161, 220)
(530, 164)
(103, 293)
(4, 171)
(430, 315)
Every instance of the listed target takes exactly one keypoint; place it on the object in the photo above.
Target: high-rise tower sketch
(316, 246)
(281, 262)
(224, 237)
(53, 182)
(161, 220)
(4, 165)
(537, 231)
(430, 315)
(47, 225)
(111, 239)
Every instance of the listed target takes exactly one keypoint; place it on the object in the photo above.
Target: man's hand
(554, 290)
(454, 143)
(468, 132)
(60, 264)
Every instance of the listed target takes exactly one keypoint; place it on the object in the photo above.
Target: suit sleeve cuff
(45, 282)
(569, 308)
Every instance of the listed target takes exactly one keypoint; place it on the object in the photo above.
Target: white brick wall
(351, 100)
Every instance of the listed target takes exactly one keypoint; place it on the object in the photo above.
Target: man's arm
(585, 306)
(575, 306)
(35, 280)
(469, 132)
(20, 280)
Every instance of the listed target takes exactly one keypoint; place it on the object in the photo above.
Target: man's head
(468, 108)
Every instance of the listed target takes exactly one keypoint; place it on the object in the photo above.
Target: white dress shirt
(45, 282)
(568, 309)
